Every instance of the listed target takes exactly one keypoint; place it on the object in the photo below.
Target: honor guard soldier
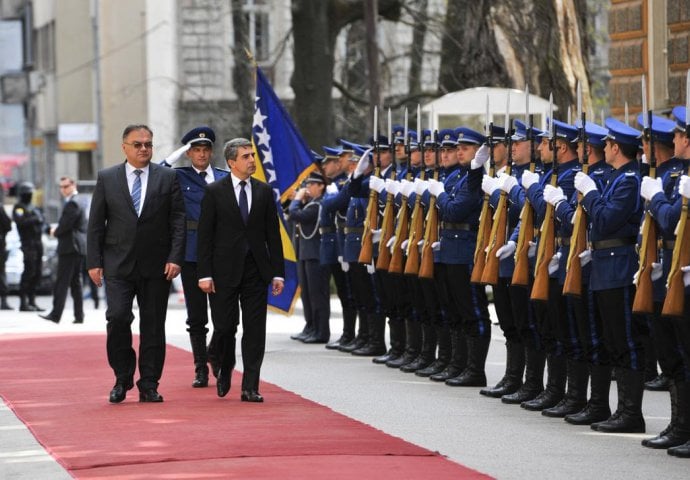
(31, 225)
(662, 193)
(5, 227)
(198, 147)
(615, 215)
(305, 211)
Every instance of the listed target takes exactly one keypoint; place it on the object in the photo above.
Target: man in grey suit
(136, 240)
(71, 236)
(239, 255)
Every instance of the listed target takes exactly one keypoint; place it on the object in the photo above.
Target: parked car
(15, 262)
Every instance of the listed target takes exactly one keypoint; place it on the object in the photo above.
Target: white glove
(584, 184)
(436, 187)
(436, 246)
(553, 195)
(420, 186)
(332, 188)
(480, 158)
(585, 257)
(686, 275)
(403, 245)
(489, 184)
(644, 159)
(657, 271)
(377, 184)
(175, 156)
(406, 188)
(420, 244)
(506, 250)
(532, 249)
(392, 187)
(554, 263)
(362, 165)
(507, 182)
(529, 179)
(376, 236)
(344, 266)
(371, 269)
(391, 243)
(650, 187)
(684, 186)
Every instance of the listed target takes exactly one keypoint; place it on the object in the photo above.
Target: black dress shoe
(78, 320)
(50, 317)
(300, 336)
(119, 392)
(223, 382)
(251, 396)
(150, 395)
(314, 339)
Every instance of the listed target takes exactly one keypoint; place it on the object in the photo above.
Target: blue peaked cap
(467, 135)
(681, 117)
(663, 129)
(596, 134)
(621, 132)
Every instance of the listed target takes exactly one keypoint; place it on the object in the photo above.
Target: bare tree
(242, 73)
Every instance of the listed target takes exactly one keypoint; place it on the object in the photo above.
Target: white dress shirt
(209, 178)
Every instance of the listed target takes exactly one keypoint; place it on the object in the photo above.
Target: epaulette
(630, 173)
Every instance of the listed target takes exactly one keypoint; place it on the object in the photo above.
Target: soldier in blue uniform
(615, 215)
(305, 211)
(198, 145)
(30, 225)
(664, 205)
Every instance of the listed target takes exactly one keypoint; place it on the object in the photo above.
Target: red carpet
(58, 386)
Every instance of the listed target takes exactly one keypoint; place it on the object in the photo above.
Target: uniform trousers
(504, 310)
(589, 328)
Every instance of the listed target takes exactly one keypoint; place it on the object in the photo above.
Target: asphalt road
(500, 440)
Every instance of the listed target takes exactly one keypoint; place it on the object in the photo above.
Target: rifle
(526, 234)
(402, 227)
(485, 220)
(371, 219)
(388, 222)
(547, 236)
(499, 226)
(416, 225)
(674, 303)
(578, 237)
(426, 268)
(644, 294)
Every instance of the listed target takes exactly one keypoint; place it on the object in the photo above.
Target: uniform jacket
(306, 218)
(71, 229)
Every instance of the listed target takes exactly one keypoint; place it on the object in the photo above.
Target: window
(257, 14)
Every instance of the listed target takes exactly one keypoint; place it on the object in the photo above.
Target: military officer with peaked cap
(197, 144)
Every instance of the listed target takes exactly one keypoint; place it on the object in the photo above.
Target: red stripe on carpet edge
(58, 386)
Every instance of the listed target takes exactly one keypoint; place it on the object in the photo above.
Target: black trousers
(623, 331)
(665, 342)
(342, 286)
(251, 296)
(196, 301)
(3, 259)
(435, 299)
(69, 273)
(525, 316)
(31, 276)
(152, 298)
(590, 328)
(467, 301)
(682, 334)
(418, 307)
(504, 310)
(316, 296)
(364, 289)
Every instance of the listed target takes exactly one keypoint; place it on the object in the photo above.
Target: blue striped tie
(136, 191)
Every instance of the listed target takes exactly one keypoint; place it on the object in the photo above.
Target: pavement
(504, 441)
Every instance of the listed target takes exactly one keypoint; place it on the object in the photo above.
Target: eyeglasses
(139, 145)
(66, 186)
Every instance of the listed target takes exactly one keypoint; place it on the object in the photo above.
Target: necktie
(244, 205)
(136, 191)
(202, 174)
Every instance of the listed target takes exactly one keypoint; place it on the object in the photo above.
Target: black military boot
(32, 303)
(630, 420)
(377, 332)
(515, 367)
(534, 378)
(428, 352)
(660, 383)
(24, 305)
(681, 451)
(575, 397)
(473, 375)
(555, 385)
(349, 322)
(597, 409)
(362, 337)
(413, 344)
(443, 338)
(678, 431)
(3, 302)
(458, 357)
(200, 355)
(397, 338)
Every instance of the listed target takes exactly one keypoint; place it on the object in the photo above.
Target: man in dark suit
(198, 144)
(136, 240)
(239, 255)
(71, 235)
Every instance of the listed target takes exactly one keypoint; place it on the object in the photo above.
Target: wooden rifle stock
(370, 223)
(387, 227)
(426, 267)
(496, 241)
(401, 233)
(483, 236)
(545, 251)
(416, 234)
(674, 304)
(526, 233)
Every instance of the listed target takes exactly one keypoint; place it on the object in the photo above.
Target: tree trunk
(417, 50)
(372, 48)
(242, 73)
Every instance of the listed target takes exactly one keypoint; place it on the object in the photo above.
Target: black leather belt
(563, 241)
(614, 242)
(668, 244)
(355, 230)
(323, 230)
(192, 225)
(456, 226)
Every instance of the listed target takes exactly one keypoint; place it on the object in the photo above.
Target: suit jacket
(120, 242)
(71, 229)
(224, 240)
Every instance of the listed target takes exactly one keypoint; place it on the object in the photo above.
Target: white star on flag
(258, 119)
